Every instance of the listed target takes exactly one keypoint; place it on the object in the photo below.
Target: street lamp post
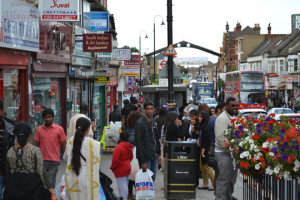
(171, 99)
(140, 51)
(162, 23)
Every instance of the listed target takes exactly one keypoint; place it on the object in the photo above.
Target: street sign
(170, 51)
(102, 79)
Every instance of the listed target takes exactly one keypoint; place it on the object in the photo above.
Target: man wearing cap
(126, 110)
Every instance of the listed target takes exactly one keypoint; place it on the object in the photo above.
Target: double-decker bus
(203, 89)
(248, 87)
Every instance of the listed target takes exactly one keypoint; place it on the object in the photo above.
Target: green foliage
(133, 49)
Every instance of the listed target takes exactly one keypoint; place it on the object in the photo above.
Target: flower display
(265, 145)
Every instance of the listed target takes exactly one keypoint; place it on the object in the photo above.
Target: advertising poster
(19, 27)
(59, 10)
(132, 67)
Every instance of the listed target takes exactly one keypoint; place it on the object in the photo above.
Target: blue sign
(96, 21)
(130, 81)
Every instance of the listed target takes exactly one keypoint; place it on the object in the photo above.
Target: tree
(133, 49)
(184, 70)
(220, 84)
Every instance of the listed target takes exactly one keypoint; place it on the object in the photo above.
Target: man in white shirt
(227, 177)
(72, 127)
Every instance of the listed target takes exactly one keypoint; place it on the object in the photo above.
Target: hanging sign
(96, 21)
(102, 79)
(170, 51)
(59, 10)
(97, 43)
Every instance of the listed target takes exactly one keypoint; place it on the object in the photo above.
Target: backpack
(8, 136)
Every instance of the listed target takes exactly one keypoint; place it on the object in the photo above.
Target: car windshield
(252, 97)
(283, 111)
(254, 114)
(210, 101)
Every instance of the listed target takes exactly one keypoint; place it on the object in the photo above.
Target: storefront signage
(289, 78)
(102, 79)
(272, 75)
(96, 21)
(59, 10)
(78, 56)
(55, 42)
(132, 67)
(121, 54)
(112, 72)
(19, 26)
(97, 43)
(104, 56)
(113, 82)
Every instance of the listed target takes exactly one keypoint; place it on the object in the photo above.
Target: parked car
(251, 112)
(211, 102)
(295, 116)
(279, 111)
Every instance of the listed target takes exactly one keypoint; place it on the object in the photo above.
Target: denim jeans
(52, 168)
(1, 186)
(152, 165)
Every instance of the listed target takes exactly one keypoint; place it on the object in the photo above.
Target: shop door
(102, 106)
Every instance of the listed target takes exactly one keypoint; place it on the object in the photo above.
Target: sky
(199, 22)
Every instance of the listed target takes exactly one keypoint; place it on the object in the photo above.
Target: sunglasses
(234, 105)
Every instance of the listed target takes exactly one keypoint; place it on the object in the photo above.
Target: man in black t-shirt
(115, 116)
(126, 110)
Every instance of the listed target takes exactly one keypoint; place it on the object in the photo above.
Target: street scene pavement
(106, 159)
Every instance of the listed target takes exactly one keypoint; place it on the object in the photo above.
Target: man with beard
(227, 177)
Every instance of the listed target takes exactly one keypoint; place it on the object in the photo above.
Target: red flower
(263, 165)
(253, 160)
(272, 115)
(233, 120)
(255, 137)
(242, 164)
(261, 159)
(277, 178)
(289, 160)
(247, 165)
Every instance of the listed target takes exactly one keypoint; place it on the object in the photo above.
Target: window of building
(281, 65)
(295, 65)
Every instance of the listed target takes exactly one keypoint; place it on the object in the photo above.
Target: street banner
(132, 67)
(59, 10)
(97, 42)
(121, 54)
(19, 26)
(96, 21)
(104, 56)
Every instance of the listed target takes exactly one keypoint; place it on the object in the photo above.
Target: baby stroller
(108, 191)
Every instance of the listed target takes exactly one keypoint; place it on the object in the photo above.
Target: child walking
(120, 165)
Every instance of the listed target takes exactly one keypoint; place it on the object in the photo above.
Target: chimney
(269, 31)
(256, 29)
(238, 27)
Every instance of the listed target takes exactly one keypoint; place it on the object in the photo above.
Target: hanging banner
(132, 67)
(19, 27)
(96, 21)
(97, 42)
(59, 10)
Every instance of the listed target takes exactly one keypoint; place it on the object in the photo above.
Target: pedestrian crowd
(143, 137)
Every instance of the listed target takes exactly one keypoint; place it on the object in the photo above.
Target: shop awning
(278, 87)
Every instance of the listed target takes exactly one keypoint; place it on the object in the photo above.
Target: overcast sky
(199, 22)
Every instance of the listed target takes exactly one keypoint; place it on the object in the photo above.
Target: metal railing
(269, 188)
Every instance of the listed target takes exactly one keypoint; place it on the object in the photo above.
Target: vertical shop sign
(59, 10)
(19, 26)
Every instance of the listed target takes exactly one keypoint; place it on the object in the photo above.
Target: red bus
(248, 87)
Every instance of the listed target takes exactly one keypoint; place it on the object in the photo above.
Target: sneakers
(160, 169)
(131, 197)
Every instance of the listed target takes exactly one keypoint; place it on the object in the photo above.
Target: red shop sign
(97, 43)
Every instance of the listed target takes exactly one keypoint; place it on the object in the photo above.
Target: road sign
(162, 64)
(170, 51)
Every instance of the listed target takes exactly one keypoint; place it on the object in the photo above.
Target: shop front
(14, 84)
(19, 37)
(112, 88)
(49, 74)
(80, 73)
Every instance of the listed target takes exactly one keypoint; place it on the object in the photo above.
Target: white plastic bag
(134, 166)
(144, 185)
(60, 189)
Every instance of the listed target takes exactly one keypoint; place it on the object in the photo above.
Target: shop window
(79, 94)
(46, 94)
(12, 96)
(296, 65)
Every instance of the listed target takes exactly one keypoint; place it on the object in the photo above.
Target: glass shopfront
(46, 94)
(79, 94)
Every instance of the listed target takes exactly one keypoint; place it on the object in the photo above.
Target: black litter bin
(180, 173)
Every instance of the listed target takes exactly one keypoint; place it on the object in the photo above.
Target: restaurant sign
(97, 43)
(59, 10)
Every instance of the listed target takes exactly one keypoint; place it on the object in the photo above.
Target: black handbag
(212, 162)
